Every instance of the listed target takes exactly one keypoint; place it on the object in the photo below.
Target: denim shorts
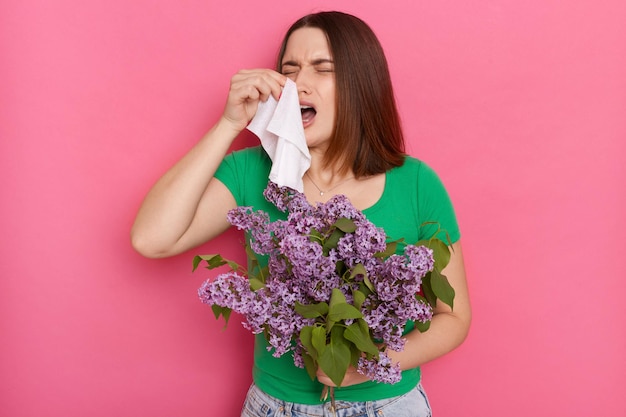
(412, 404)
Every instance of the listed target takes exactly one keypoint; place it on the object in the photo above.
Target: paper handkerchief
(278, 124)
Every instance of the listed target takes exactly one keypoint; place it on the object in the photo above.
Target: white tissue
(278, 124)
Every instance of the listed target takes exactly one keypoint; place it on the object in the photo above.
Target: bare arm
(187, 206)
(448, 328)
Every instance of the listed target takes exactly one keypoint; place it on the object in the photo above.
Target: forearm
(447, 331)
(169, 208)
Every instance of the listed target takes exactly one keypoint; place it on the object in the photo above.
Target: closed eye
(289, 68)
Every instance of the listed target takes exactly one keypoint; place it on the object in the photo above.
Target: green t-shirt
(413, 195)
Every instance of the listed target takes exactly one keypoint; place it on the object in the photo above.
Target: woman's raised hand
(247, 89)
(185, 208)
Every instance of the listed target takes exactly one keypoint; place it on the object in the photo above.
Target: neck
(326, 186)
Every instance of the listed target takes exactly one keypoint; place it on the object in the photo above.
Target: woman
(353, 133)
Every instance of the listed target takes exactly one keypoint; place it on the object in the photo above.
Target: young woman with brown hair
(353, 133)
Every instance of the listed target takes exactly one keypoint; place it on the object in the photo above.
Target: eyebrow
(318, 61)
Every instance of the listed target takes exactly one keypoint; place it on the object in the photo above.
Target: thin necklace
(322, 192)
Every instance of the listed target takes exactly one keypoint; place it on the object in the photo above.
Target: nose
(302, 80)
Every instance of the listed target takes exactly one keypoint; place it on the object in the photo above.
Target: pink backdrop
(520, 106)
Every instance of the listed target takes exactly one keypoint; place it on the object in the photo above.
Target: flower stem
(324, 395)
(325, 392)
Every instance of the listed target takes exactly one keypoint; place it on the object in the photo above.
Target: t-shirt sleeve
(245, 173)
(435, 207)
(229, 175)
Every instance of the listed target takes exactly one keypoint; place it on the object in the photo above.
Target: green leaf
(310, 365)
(358, 269)
(311, 311)
(340, 268)
(441, 252)
(369, 284)
(214, 261)
(442, 288)
(360, 336)
(196, 261)
(221, 311)
(355, 355)
(256, 284)
(438, 232)
(318, 341)
(345, 225)
(332, 240)
(336, 297)
(330, 324)
(315, 236)
(339, 309)
(428, 290)
(359, 298)
(335, 359)
(249, 252)
(365, 289)
(389, 250)
(263, 272)
(343, 311)
(306, 338)
(422, 327)
(254, 262)
(421, 299)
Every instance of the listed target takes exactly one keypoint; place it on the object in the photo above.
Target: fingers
(247, 89)
(324, 379)
(258, 84)
(351, 377)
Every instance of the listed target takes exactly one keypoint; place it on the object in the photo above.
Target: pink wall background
(520, 106)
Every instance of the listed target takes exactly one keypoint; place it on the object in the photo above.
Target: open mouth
(308, 113)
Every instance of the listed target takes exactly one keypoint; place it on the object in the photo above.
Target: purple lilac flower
(279, 196)
(392, 335)
(299, 204)
(420, 259)
(306, 257)
(286, 199)
(414, 309)
(300, 272)
(257, 224)
(371, 239)
(245, 218)
(381, 369)
(375, 315)
(278, 268)
(347, 250)
(281, 327)
(337, 207)
(320, 289)
(302, 222)
(298, 352)
(258, 313)
(229, 290)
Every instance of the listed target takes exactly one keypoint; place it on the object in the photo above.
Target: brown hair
(367, 126)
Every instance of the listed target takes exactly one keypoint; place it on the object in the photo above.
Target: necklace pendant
(321, 193)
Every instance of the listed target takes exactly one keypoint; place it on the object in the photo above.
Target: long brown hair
(367, 133)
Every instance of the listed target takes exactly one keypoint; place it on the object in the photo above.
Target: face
(308, 62)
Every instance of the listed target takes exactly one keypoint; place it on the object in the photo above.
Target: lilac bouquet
(334, 291)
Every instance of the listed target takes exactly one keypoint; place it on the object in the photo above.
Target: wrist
(228, 128)
(223, 131)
